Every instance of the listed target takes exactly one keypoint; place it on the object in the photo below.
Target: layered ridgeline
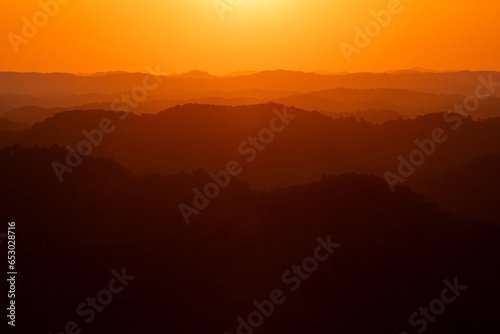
(39, 84)
(362, 252)
(8, 125)
(376, 97)
(274, 146)
(376, 106)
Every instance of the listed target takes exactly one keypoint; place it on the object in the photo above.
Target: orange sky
(183, 35)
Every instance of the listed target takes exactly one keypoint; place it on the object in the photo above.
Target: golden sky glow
(183, 35)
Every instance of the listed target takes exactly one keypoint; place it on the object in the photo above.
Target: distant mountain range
(376, 97)
(463, 82)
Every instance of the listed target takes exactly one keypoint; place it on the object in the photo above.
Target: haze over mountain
(250, 167)
(375, 97)
(463, 82)
(8, 125)
(182, 138)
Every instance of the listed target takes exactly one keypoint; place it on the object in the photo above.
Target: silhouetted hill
(65, 83)
(379, 116)
(335, 109)
(472, 189)
(374, 105)
(184, 138)
(4, 108)
(405, 102)
(395, 251)
(408, 93)
(8, 125)
(34, 114)
(194, 75)
(53, 101)
(31, 114)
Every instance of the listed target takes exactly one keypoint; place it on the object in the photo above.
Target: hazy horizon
(248, 72)
(250, 166)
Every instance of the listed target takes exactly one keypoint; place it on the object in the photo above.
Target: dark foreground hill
(472, 189)
(396, 250)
